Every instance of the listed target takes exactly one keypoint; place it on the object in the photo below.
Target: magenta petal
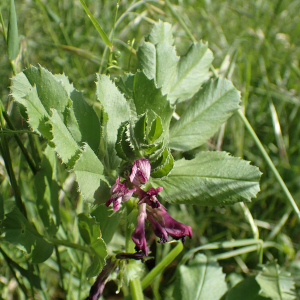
(119, 193)
(174, 228)
(158, 229)
(138, 236)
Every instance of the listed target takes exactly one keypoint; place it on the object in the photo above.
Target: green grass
(256, 44)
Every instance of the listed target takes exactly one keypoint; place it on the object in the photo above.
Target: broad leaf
(20, 232)
(108, 219)
(248, 289)
(210, 108)
(201, 279)
(211, 178)
(89, 228)
(89, 175)
(192, 71)
(117, 109)
(276, 284)
(46, 188)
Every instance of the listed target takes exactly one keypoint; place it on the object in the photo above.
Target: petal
(140, 172)
(158, 229)
(117, 204)
(174, 228)
(138, 236)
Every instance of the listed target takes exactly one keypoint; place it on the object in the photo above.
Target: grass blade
(12, 34)
(97, 26)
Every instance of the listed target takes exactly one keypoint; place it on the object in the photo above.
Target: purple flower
(149, 197)
(119, 193)
(163, 224)
(138, 236)
(140, 172)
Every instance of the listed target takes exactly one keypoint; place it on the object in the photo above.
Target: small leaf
(209, 109)
(276, 284)
(164, 169)
(19, 232)
(89, 175)
(156, 130)
(200, 280)
(211, 178)
(88, 228)
(12, 33)
(192, 71)
(108, 219)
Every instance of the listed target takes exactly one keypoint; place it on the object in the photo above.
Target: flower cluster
(150, 208)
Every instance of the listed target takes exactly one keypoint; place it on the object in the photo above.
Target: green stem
(60, 270)
(58, 242)
(4, 149)
(270, 163)
(23, 149)
(161, 266)
(248, 249)
(136, 289)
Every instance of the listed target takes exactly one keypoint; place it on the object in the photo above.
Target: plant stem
(162, 265)
(60, 270)
(58, 242)
(4, 149)
(136, 289)
(24, 150)
(270, 163)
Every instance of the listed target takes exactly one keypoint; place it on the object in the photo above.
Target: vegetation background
(256, 44)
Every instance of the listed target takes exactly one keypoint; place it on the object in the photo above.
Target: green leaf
(117, 109)
(248, 289)
(209, 109)
(108, 219)
(12, 33)
(27, 95)
(147, 96)
(99, 248)
(200, 280)
(80, 117)
(51, 91)
(19, 232)
(1, 209)
(65, 145)
(89, 175)
(165, 168)
(211, 178)
(276, 284)
(46, 188)
(88, 227)
(161, 32)
(192, 71)
(159, 62)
